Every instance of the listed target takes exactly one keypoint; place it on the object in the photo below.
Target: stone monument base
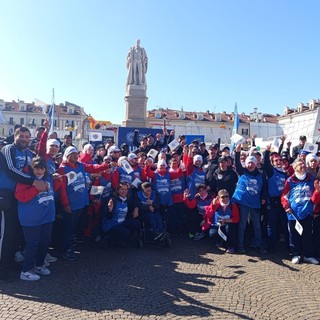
(136, 106)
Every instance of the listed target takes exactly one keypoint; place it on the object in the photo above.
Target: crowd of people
(53, 195)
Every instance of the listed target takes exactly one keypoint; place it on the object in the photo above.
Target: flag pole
(235, 127)
(51, 113)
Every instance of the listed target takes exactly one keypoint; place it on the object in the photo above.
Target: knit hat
(160, 163)
(251, 159)
(197, 157)
(87, 147)
(311, 156)
(68, 151)
(54, 142)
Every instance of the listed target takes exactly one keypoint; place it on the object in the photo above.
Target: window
(244, 132)
(11, 120)
(22, 121)
(182, 116)
(158, 115)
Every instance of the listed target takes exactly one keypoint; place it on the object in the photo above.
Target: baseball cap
(214, 146)
(220, 159)
(123, 145)
(100, 146)
(113, 149)
(304, 152)
(132, 156)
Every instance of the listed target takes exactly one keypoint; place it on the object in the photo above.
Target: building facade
(214, 125)
(68, 117)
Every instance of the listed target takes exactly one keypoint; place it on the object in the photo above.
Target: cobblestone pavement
(190, 280)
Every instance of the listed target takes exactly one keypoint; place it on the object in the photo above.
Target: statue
(137, 64)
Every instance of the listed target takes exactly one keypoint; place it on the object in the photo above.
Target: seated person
(223, 215)
(148, 202)
(120, 222)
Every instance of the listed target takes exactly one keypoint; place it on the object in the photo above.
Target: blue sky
(203, 55)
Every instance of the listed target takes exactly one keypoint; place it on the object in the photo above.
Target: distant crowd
(54, 195)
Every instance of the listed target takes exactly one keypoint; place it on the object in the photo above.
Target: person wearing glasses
(223, 214)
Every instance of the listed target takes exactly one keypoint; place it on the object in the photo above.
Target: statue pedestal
(136, 106)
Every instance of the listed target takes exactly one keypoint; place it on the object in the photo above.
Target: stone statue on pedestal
(137, 65)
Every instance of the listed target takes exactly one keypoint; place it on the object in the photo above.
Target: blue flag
(51, 114)
(235, 126)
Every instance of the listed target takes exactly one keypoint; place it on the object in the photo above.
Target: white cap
(132, 156)
(311, 156)
(68, 151)
(197, 157)
(54, 142)
(251, 159)
(161, 162)
(113, 149)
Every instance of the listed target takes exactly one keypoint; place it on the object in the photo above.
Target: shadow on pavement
(148, 281)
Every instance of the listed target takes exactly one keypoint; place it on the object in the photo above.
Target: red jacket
(211, 209)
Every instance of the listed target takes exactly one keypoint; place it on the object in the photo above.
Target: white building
(304, 120)
(68, 117)
(214, 125)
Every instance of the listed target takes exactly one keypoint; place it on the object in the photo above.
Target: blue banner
(191, 137)
(125, 135)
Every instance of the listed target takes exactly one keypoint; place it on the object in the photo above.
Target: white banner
(95, 136)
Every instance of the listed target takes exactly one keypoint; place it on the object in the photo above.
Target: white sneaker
(50, 258)
(18, 257)
(29, 276)
(311, 260)
(296, 259)
(42, 270)
(46, 262)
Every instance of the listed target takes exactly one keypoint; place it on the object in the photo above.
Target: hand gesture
(135, 213)
(186, 194)
(46, 124)
(215, 200)
(40, 185)
(110, 205)
(238, 148)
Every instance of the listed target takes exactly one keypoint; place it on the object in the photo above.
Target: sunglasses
(224, 197)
